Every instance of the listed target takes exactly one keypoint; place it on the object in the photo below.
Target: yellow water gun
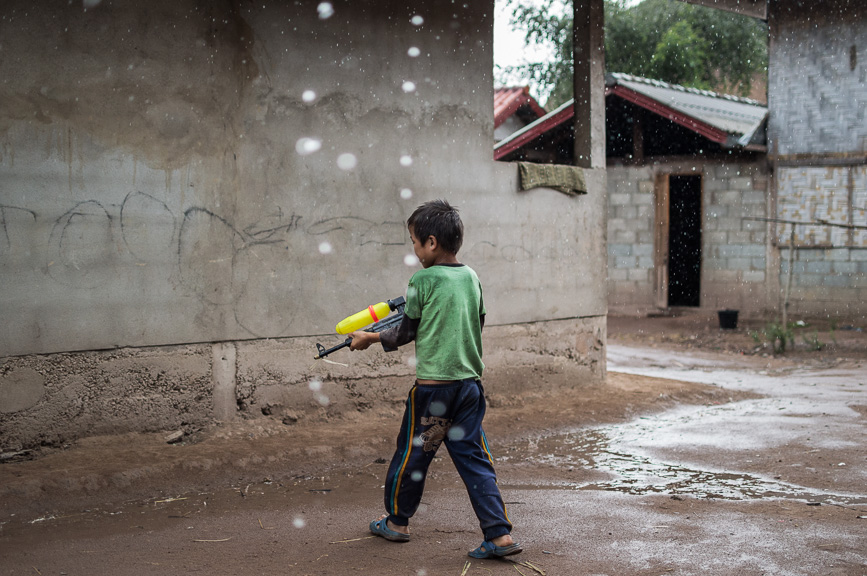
(376, 314)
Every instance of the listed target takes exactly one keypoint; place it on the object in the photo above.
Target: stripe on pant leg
(491, 460)
(410, 432)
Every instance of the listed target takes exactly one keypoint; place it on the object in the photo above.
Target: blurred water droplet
(326, 248)
(308, 96)
(406, 160)
(408, 86)
(412, 361)
(413, 52)
(416, 476)
(417, 441)
(315, 385)
(406, 193)
(306, 146)
(323, 400)
(346, 161)
(417, 20)
(326, 10)
(437, 408)
(88, 4)
(299, 522)
(456, 433)
(410, 260)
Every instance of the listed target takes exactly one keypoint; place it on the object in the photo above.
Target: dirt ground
(260, 497)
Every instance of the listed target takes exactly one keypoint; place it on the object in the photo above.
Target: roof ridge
(687, 89)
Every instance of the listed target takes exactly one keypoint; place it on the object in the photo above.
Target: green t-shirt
(447, 301)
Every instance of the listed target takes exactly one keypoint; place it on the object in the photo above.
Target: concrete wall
(734, 267)
(818, 135)
(157, 194)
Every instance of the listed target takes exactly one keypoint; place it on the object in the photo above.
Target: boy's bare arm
(362, 340)
(391, 339)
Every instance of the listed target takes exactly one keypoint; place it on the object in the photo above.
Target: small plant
(780, 336)
(812, 341)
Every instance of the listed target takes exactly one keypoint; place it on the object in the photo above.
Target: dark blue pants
(450, 413)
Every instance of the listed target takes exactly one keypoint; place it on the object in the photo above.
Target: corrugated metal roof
(730, 121)
(733, 115)
(507, 101)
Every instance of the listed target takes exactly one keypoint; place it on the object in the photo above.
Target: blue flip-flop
(380, 528)
(490, 550)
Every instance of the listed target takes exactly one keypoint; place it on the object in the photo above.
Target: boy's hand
(362, 340)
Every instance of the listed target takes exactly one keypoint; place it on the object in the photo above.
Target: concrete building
(785, 230)
(817, 151)
(687, 178)
(817, 93)
(193, 194)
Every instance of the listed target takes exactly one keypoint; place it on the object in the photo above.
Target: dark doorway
(684, 241)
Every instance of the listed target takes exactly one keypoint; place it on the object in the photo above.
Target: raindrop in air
(413, 52)
(346, 161)
(416, 476)
(456, 433)
(306, 146)
(437, 408)
(410, 260)
(406, 193)
(412, 361)
(308, 96)
(315, 385)
(326, 10)
(299, 522)
(326, 248)
(408, 86)
(406, 160)
(417, 20)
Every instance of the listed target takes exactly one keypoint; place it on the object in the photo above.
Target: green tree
(666, 40)
(680, 57)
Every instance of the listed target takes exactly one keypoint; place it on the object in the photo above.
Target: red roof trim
(553, 120)
(543, 125)
(706, 130)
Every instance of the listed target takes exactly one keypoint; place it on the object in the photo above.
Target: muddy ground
(644, 475)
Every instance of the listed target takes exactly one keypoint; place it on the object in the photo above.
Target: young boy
(444, 314)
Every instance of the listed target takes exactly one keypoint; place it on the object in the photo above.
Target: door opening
(684, 240)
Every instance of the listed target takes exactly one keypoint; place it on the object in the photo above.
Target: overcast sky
(509, 47)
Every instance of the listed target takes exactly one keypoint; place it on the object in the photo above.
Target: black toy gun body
(396, 305)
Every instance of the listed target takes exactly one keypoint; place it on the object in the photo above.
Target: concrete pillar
(223, 372)
(588, 40)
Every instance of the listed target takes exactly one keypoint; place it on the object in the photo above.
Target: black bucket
(728, 319)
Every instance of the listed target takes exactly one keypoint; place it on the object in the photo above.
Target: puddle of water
(809, 408)
(612, 450)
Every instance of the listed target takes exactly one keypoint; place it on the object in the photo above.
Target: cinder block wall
(734, 248)
(826, 282)
(818, 137)
(734, 260)
(630, 239)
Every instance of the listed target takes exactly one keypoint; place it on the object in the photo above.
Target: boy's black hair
(439, 219)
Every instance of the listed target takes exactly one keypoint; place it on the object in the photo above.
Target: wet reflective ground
(769, 483)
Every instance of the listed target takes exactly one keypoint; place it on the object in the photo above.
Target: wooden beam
(754, 8)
